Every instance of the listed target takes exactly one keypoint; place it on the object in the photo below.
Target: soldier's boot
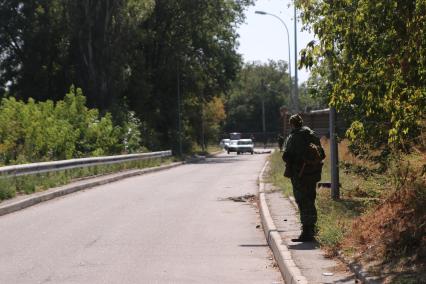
(307, 235)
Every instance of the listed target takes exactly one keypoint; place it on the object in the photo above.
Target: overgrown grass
(358, 193)
(380, 216)
(13, 186)
(333, 216)
(276, 174)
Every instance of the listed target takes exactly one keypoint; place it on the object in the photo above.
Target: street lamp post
(294, 97)
(296, 86)
(263, 88)
(178, 107)
(289, 53)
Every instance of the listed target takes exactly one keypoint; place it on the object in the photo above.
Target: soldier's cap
(296, 120)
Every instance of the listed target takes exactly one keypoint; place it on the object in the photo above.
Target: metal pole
(296, 87)
(179, 110)
(335, 194)
(294, 102)
(263, 89)
(202, 127)
(263, 120)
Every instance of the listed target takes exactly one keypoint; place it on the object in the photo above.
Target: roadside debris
(243, 198)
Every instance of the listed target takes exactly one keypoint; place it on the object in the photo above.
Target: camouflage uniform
(304, 185)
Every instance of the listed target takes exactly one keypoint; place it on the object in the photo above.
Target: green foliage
(276, 174)
(213, 116)
(47, 131)
(371, 58)
(131, 133)
(124, 51)
(271, 84)
(188, 57)
(244, 105)
(314, 92)
(7, 189)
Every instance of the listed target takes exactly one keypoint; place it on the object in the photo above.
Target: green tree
(213, 115)
(256, 83)
(124, 55)
(33, 49)
(44, 131)
(372, 57)
(190, 50)
(104, 35)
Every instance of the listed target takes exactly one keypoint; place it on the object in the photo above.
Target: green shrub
(7, 189)
(45, 131)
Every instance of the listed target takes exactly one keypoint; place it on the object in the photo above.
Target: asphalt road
(173, 226)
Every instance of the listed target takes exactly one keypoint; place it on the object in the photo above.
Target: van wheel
(228, 152)
(252, 152)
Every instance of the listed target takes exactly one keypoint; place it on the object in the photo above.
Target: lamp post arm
(293, 95)
(288, 41)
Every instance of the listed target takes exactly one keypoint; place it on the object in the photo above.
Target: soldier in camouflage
(303, 176)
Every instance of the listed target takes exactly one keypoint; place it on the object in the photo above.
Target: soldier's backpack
(313, 156)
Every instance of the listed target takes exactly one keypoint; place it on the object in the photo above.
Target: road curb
(77, 186)
(355, 267)
(290, 272)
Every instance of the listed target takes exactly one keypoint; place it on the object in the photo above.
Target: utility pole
(178, 107)
(203, 147)
(296, 84)
(334, 159)
(294, 101)
(263, 88)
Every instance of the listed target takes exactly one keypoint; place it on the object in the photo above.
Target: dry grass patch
(380, 218)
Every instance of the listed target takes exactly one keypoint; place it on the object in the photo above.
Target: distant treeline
(141, 55)
(370, 63)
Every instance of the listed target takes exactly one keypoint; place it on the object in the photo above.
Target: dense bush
(42, 131)
(371, 60)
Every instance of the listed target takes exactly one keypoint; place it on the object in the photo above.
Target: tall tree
(268, 83)
(189, 50)
(373, 58)
(33, 48)
(124, 54)
(104, 35)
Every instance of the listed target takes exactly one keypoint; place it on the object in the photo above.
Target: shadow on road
(253, 245)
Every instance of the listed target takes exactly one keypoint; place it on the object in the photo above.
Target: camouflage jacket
(295, 147)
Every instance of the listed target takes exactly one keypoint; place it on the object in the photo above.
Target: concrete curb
(290, 272)
(76, 186)
(355, 267)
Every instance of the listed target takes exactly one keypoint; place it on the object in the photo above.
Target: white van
(245, 146)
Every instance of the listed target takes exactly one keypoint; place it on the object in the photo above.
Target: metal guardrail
(43, 167)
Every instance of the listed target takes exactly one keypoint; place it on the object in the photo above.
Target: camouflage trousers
(304, 191)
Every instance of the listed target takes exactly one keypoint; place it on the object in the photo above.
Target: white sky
(264, 37)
